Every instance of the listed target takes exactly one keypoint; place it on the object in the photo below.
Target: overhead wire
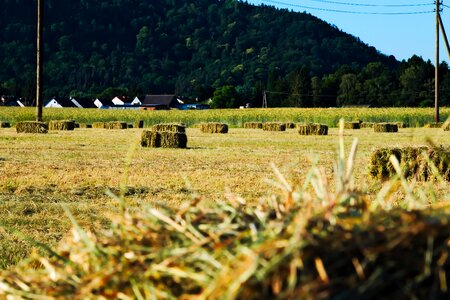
(346, 11)
(374, 5)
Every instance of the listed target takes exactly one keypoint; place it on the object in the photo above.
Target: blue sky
(398, 35)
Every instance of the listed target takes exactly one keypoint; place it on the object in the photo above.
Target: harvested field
(274, 126)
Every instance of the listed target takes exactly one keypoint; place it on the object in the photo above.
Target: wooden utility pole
(264, 99)
(436, 71)
(39, 64)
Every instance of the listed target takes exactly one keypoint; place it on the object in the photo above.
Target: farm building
(161, 101)
(10, 101)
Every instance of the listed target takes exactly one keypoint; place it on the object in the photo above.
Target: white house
(53, 104)
(136, 101)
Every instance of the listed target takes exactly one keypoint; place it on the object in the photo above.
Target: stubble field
(79, 169)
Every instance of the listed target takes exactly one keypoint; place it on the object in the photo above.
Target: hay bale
(290, 125)
(61, 125)
(117, 125)
(352, 125)
(214, 128)
(4, 124)
(312, 129)
(400, 124)
(130, 126)
(446, 127)
(101, 125)
(31, 127)
(164, 139)
(85, 125)
(172, 127)
(253, 125)
(434, 125)
(366, 125)
(138, 124)
(77, 125)
(274, 126)
(385, 127)
(412, 161)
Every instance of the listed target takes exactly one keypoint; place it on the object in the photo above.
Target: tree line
(226, 49)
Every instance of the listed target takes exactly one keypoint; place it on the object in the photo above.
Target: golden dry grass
(38, 173)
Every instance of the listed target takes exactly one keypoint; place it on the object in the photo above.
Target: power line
(374, 5)
(348, 11)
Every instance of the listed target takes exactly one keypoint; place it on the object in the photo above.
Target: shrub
(32, 127)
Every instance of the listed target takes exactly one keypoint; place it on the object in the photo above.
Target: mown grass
(413, 117)
(321, 233)
(38, 173)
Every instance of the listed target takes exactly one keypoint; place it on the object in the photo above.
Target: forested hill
(190, 47)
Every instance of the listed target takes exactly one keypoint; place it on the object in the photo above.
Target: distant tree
(225, 97)
(349, 90)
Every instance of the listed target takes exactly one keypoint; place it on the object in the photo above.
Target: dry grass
(324, 238)
(39, 172)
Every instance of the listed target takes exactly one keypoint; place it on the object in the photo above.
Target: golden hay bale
(385, 127)
(172, 127)
(352, 125)
(433, 125)
(253, 125)
(312, 129)
(61, 125)
(164, 139)
(85, 125)
(31, 127)
(102, 125)
(290, 125)
(413, 161)
(138, 124)
(366, 125)
(214, 127)
(117, 125)
(274, 126)
(4, 124)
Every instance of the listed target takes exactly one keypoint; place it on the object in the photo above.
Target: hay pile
(214, 127)
(352, 125)
(4, 124)
(85, 125)
(61, 125)
(32, 127)
(366, 125)
(100, 125)
(413, 162)
(253, 125)
(138, 124)
(385, 127)
(165, 136)
(289, 125)
(312, 129)
(274, 126)
(117, 125)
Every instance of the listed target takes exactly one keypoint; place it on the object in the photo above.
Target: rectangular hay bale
(138, 124)
(172, 127)
(352, 125)
(63, 125)
(312, 129)
(214, 127)
(274, 126)
(4, 124)
(367, 124)
(385, 127)
(100, 125)
(253, 125)
(164, 139)
(413, 162)
(85, 125)
(117, 125)
(32, 127)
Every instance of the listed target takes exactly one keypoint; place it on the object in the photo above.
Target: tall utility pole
(436, 71)
(39, 63)
(264, 99)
